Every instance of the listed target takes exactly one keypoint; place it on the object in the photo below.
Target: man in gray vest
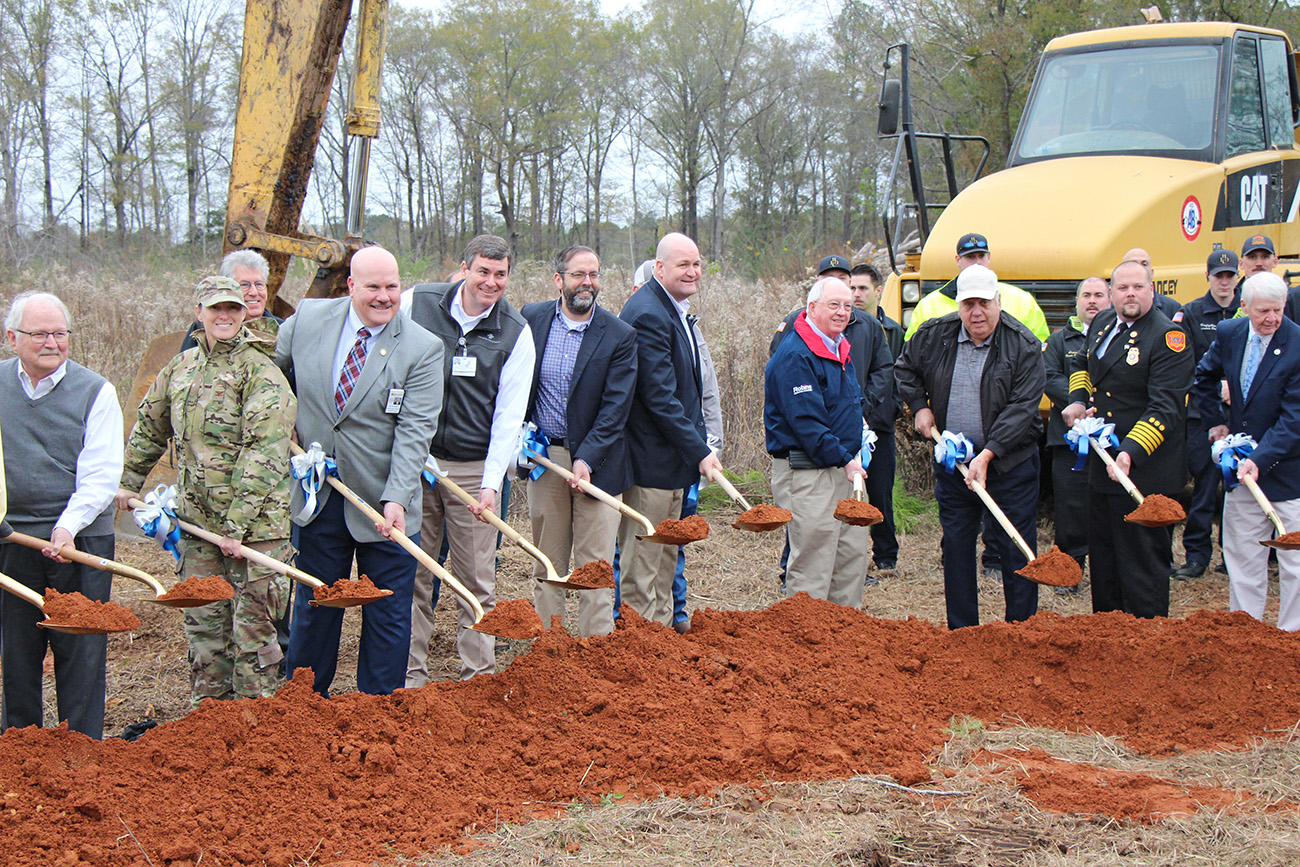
(487, 374)
(63, 460)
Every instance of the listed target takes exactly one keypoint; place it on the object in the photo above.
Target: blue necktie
(1252, 364)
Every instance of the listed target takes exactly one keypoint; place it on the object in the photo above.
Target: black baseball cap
(1257, 242)
(972, 243)
(1221, 262)
(833, 263)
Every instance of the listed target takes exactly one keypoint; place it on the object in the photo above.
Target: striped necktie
(351, 370)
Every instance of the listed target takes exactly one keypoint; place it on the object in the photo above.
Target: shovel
(599, 494)
(859, 492)
(1128, 485)
(29, 595)
(1280, 542)
(552, 577)
(402, 539)
(1076, 574)
(267, 562)
(67, 552)
(753, 526)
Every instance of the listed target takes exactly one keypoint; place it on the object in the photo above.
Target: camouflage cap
(216, 290)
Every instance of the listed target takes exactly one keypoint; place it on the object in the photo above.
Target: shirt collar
(355, 324)
(964, 337)
(459, 313)
(571, 324)
(45, 384)
(832, 345)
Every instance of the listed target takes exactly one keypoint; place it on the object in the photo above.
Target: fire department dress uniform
(1139, 383)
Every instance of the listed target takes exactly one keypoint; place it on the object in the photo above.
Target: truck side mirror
(891, 95)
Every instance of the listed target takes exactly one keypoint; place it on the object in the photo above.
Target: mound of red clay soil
(512, 618)
(74, 609)
(213, 588)
(596, 575)
(1157, 510)
(345, 588)
(1054, 569)
(804, 690)
(683, 532)
(858, 513)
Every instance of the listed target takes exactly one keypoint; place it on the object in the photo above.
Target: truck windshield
(1145, 99)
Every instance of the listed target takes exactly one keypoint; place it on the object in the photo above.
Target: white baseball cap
(976, 281)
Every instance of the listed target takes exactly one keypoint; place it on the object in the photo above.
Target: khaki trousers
(828, 558)
(472, 561)
(646, 569)
(567, 522)
(1244, 524)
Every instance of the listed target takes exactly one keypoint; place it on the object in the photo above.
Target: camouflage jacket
(230, 412)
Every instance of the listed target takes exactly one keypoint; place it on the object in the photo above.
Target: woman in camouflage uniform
(230, 412)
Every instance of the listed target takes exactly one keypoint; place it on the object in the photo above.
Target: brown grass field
(971, 816)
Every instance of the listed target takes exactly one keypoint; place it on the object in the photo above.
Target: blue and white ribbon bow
(1228, 452)
(533, 442)
(158, 518)
(868, 446)
(1084, 428)
(952, 450)
(310, 469)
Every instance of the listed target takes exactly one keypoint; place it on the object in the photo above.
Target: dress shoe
(885, 565)
(1066, 591)
(993, 572)
(1189, 570)
(682, 626)
(871, 581)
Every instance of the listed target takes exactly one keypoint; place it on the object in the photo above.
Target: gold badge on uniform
(1133, 355)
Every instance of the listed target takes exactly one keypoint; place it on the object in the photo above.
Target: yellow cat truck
(1176, 138)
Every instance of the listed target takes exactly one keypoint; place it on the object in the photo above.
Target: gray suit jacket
(379, 454)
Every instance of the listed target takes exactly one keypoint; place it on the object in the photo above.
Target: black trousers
(1070, 496)
(880, 493)
(1206, 480)
(79, 660)
(1129, 562)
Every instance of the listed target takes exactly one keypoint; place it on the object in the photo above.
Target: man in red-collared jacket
(813, 418)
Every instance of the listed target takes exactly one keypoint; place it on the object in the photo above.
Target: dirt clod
(1055, 569)
(683, 532)
(1157, 510)
(213, 588)
(74, 609)
(596, 575)
(513, 618)
(858, 513)
(344, 588)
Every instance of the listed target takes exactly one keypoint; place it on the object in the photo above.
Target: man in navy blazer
(1259, 356)
(666, 436)
(581, 395)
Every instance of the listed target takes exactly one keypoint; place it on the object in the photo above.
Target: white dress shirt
(99, 465)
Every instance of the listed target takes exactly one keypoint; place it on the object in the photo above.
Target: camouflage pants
(233, 648)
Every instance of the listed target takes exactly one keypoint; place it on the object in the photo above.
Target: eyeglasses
(582, 275)
(42, 336)
(245, 285)
(836, 305)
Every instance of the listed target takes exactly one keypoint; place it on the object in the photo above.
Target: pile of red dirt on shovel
(804, 690)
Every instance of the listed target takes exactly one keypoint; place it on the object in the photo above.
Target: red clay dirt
(1157, 510)
(512, 618)
(1079, 789)
(74, 609)
(804, 690)
(213, 588)
(683, 532)
(596, 575)
(1053, 569)
(345, 588)
(858, 513)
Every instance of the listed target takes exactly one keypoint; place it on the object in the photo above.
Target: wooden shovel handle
(1124, 480)
(244, 551)
(588, 487)
(717, 476)
(405, 541)
(1253, 487)
(992, 506)
(22, 591)
(68, 552)
(506, 530)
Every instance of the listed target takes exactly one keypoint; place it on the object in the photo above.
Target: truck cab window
(1277, 92)
(1245, 106)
